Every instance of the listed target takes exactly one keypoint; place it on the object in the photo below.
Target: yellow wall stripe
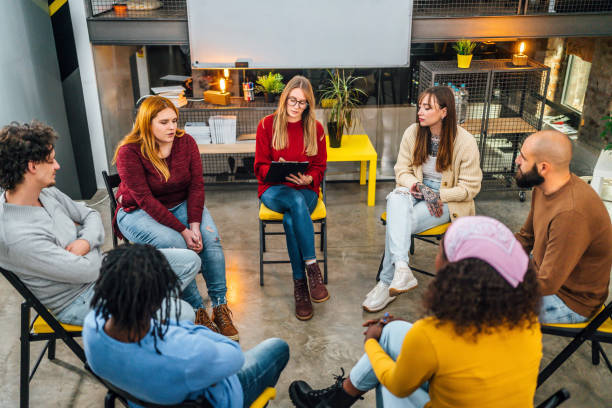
(56, 5)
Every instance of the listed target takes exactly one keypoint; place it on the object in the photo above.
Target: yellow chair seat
(267, 395)
(267, 214)
(40, 326)
(606, 326)
(437, 230)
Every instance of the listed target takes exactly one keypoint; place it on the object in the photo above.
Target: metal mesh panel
(227, 167)
(504, 105)
(246, 118)
(454, 8)
(568, 6)
(139, 9)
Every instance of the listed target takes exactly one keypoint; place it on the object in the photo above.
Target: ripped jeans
(406, 216)
(139, 227)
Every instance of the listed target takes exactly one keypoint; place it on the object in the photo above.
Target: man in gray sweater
(52, 243)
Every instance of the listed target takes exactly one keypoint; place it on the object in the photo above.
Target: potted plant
(340, 96)
(270, 85)
(464, 49)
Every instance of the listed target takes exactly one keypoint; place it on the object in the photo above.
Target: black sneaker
(303, 396)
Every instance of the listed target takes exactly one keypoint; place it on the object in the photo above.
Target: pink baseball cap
(489, 240)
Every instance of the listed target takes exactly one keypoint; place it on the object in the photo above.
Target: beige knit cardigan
(460, 182)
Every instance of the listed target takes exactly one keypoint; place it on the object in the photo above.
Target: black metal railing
(177, 9)
(468, 8)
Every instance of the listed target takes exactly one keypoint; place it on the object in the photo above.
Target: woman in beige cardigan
(438, 175)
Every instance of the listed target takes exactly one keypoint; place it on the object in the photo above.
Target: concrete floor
(319, 347)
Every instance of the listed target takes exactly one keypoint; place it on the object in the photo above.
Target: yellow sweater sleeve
(416, 362)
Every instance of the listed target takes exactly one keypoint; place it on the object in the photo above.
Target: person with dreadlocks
(132, 331)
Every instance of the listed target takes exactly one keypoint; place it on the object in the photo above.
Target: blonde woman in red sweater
(161, 202)
(292, 133)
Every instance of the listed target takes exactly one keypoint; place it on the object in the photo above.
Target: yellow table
(357, 148)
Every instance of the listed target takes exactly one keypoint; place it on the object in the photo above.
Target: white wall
(78, 14)
(30, 84)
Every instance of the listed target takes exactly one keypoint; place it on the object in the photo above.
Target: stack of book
(200, 131)
(222, 128)
(175, 93)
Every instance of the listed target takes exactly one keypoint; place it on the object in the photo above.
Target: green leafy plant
(271, 83)
(465, 47)
(606, 134)
(340, 95)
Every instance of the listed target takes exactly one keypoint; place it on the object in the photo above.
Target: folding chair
(43, 327)
(115, 393)
(436, 233)
(596, 330)
(267, 217)
(112, 182)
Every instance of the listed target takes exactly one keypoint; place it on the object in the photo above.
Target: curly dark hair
(475, 298)
(20, 144)
(134, 281)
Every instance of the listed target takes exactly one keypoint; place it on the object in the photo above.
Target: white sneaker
(378, 298)
(403, 281)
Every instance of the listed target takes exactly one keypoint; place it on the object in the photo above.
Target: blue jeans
(296, 206)
(139, 227)
(363, 378)
(406, 216)
(554, 310)
(263, 365)
(185, 265)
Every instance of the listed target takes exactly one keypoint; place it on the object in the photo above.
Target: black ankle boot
(303, 396)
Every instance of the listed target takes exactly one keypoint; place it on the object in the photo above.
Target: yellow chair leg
(265, 397)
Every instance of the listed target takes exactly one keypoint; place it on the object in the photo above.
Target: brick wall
(598, 98)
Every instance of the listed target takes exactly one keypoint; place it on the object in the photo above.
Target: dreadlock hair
(134, 281)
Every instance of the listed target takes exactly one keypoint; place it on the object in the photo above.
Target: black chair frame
(588, 333)
(111, 182)
(556, 399)
(27, 336)
(420, 237)
(322, 232)
(114, 393)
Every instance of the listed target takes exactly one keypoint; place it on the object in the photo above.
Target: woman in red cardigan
(293, 134)
(161, 202)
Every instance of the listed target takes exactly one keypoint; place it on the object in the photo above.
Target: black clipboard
(280, 170)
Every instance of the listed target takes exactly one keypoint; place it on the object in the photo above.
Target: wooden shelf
(243, 147)
(499, 126)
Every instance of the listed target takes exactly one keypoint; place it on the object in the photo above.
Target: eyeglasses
(292, 102)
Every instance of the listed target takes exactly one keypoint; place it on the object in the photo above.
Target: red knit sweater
(265, 154)
(142, 186)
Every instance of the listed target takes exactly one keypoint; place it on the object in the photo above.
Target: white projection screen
(293, 34)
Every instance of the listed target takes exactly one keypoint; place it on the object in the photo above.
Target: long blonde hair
(280, 139)
(141, 132)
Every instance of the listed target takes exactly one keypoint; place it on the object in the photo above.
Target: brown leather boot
(203, 320)
(303, 307)
(318, 291)
(222, 317)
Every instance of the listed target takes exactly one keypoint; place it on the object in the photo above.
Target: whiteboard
(299, 34)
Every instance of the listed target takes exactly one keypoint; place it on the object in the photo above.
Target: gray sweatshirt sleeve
(90, 227)
(40, 256)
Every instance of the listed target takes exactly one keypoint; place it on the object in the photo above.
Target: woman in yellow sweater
(480, 345)
(437, 176)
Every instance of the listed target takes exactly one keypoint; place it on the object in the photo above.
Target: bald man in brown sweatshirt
(568, 231)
